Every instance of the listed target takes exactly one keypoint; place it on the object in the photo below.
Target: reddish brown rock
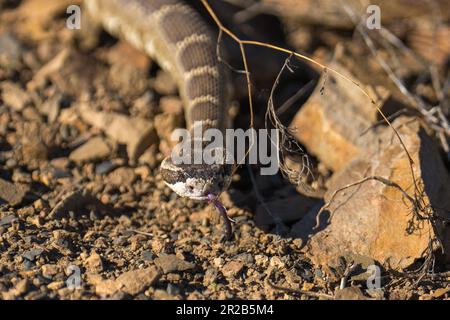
(94, 263)
(332, 14)
(12, 193)
(131, 282)
(171, 263)
(350, 293)
(135, 281)
(129, 69)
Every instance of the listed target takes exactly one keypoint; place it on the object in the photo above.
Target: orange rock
(376, 220)
(332, 122)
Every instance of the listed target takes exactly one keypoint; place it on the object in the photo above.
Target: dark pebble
(60, 174)
(105, 167)
(147, 255)
(27, 264)
(32, 254)
(172, 289)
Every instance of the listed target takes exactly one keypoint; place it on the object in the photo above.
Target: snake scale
(174, 34)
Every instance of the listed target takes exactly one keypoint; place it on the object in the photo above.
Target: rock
(105, 167)
(56, 285)
(330, 124)
(149, 157)
(94, 149)
(50, 270)
(34, 17)
(34, 148)
(163, 295)
(31, 255)
(31, 114)
(133, 282)
(164, 84)
(94, 263)
(14, 96)
(125, 53)
(48, 69)
(137, 133)
(21, 287)
(143, 172)
(171, 263)
(147, 255)
(232, 268)
(349, 293)
(51, 107)
(430, 41)
(106, 288)
(331, 14)
(165, 124)
(375, 220)
(287, 210)
(10, 51)
(438, 293)
(129, 69)
(12, 193)
(122, 176)
(21, 177)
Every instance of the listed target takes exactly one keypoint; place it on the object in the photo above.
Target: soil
(110, 219)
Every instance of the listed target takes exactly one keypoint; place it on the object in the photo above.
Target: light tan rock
(332, 122)
(137, 133)
(376, 220)
(171, 263)
(94, 263)
(94, 149)
(131, 282)
(14, 96)
(232, 268)
(350, 293)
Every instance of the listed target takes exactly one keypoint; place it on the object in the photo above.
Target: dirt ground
(84, 215)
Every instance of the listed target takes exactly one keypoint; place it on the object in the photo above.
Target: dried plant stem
(243, 43)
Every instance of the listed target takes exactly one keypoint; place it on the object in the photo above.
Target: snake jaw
(196, 181)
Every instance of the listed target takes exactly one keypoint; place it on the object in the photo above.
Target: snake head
(196, 181)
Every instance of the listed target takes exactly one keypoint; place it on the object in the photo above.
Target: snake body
(175, 35)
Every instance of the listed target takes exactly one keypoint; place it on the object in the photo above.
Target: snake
(182, 43)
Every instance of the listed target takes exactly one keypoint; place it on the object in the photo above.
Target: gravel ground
(100, 223)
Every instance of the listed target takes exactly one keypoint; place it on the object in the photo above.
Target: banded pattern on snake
(181, 42)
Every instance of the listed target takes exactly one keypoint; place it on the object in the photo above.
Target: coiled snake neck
(175, 35)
